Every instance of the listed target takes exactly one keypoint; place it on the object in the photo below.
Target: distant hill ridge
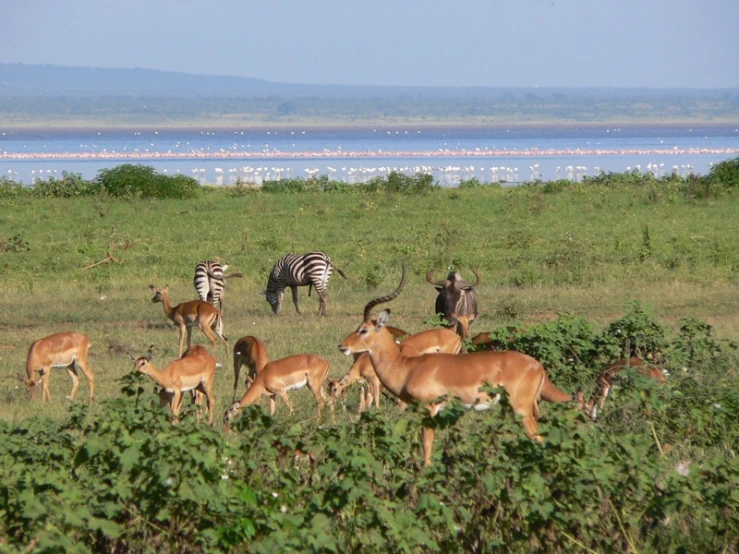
(29, 80)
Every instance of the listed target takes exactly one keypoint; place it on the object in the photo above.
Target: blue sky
(572, 43)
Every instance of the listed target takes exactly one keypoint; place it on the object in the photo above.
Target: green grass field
(584, 251)
(561, 264)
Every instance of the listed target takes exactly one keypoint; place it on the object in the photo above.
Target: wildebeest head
(456, 296)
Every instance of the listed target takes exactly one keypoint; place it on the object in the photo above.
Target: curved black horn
(467, 284)
(440, 283)
(372, 303)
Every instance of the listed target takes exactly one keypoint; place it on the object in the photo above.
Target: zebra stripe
(209, 281)
(312, 269)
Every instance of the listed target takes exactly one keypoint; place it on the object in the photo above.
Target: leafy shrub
(395, 182)
(9, 188)
(637, 333)
(321, 183)
(725, 174)
(140, 181)
(69, 186)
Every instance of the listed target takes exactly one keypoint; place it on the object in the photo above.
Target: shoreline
(90, 127)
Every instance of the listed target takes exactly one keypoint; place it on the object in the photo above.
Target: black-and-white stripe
(210, 281)
(298, 270)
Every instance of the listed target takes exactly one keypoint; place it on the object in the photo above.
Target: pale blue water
(511, 155)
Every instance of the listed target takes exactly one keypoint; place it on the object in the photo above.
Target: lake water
(511, 155)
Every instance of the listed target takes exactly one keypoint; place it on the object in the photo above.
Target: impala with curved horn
(457, 297)
(426, 342)
(429, 377)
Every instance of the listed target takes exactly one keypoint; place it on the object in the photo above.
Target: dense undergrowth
(657, 472)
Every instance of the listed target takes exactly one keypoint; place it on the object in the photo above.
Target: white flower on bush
(683, 468)
(283, 509)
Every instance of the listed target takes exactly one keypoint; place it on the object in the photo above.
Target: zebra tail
(340, 272)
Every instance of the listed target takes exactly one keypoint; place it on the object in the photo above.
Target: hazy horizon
(480, 43)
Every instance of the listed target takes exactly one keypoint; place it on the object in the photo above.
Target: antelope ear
(132, 356)
(382, 319)
(152, 287)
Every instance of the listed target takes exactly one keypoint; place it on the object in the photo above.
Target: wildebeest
(456, 296)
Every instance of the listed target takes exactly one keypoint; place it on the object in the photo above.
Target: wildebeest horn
(440, 283)
(466, 284)
(372, 303)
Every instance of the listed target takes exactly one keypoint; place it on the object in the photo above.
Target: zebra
(296, 270)
(210, 281)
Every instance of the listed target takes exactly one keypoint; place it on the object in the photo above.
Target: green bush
(725, 174)
(9, 188)
(127, 480)
(69, 186)
(140, 181)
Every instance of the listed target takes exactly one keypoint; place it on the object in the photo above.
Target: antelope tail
(550, 393)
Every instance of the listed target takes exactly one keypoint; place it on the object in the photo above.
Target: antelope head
(159, 294)
(366, 334)
(31, 384)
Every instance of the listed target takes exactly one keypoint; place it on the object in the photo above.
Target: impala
(195, 371)
(187, 315)
(605, 382)
(278, 377)
(425, 342)
(251, 352)
(429, 377)
(58, 350)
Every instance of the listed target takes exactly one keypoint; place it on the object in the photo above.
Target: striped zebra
(210, 281)
(297, 270)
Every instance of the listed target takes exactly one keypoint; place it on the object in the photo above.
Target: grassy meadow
(571, 273)
(584, 250)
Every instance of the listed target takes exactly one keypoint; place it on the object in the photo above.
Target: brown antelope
(278, 377)
(429, 377)
(251, 352)
(425, 342)
(605, 382)
(187, 315)
(58, 350)
(195, 371)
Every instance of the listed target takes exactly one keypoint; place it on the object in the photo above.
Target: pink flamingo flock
(367, 154)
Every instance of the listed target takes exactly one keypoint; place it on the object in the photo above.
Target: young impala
(251, 352)
(195, 371)
(426, 342)
(605, 382)
(280, 376)
(187, 315)
(429, 377)
(58, 350)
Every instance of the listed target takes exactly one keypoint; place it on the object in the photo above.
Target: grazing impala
(605, 382)
(195, 371)
(251, 352)
(187, 315)
(280, 376)
(429, 377)
(426, 342)
(58, 350)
